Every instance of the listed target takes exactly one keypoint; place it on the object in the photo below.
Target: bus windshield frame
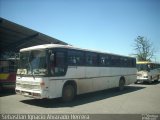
(33, 63)
(143, 67)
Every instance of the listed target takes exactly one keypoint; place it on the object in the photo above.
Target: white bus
(53, 70)
(147, 71)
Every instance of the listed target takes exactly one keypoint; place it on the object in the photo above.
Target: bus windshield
(141, 67)
(32, 63)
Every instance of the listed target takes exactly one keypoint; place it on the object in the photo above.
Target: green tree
(143, 48)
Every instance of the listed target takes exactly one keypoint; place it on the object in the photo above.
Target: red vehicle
(7, 74)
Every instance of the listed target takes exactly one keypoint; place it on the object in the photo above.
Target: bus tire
(157, 79)
(150, 80)
(68, 93)
(121, 83)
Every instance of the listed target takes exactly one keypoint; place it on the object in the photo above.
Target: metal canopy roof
(13, 37)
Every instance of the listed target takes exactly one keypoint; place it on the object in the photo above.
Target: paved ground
(136, 98)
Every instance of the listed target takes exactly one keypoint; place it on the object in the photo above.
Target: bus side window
(133, 62)
(60, 64)
(75, 58)
(125, 62)
(91, 59)
(115, 61)
(104, 60)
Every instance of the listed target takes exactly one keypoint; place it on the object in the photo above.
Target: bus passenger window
(60, 66)
(102, 60)
(91, 59)
(75, 58)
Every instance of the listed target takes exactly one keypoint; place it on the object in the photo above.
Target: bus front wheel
(121, 84)
(68, 93)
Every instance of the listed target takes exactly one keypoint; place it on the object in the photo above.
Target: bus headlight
(145, 76)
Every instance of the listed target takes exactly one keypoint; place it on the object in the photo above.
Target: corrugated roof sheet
(13, 37)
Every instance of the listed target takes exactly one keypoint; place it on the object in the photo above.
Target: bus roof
(46, 46)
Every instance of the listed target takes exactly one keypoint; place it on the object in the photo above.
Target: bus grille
(28, 86)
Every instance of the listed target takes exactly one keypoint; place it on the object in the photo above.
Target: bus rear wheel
(157, 79)
(121, 84)
(68, 93)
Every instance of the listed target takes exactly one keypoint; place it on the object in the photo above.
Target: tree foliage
(143, 48)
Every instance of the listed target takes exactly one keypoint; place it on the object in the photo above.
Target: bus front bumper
(144, 80)
(32, 94)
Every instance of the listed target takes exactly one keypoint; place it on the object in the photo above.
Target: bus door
(58, 68)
